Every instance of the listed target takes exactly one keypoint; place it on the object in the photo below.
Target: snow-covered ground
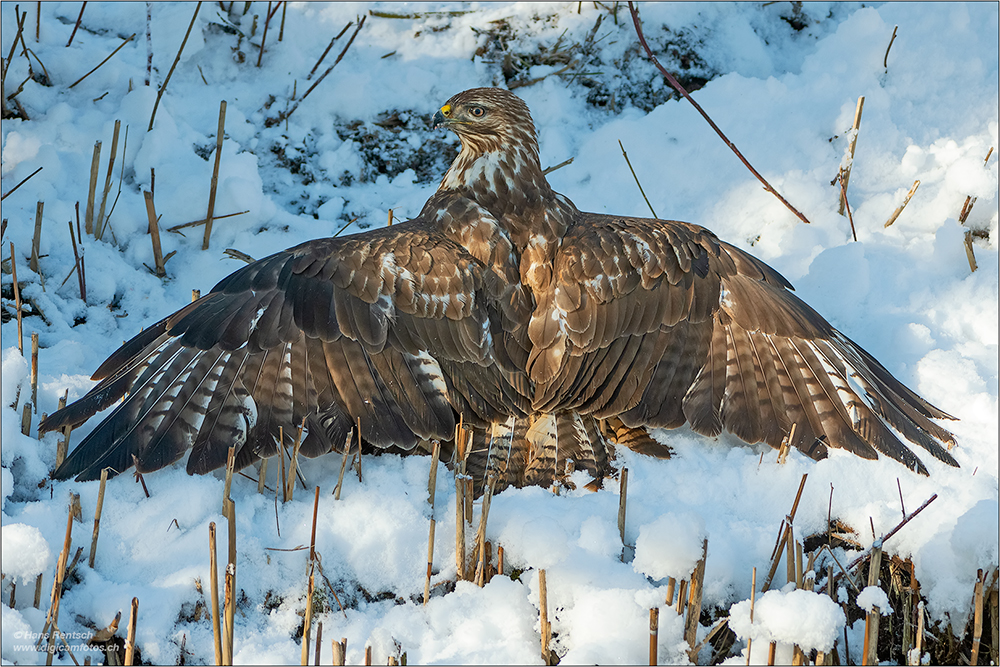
(784, 81)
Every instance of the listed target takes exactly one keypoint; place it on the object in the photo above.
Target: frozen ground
(783, 84)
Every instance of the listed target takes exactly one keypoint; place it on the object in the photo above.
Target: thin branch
(847, 205)
(195, 223)
(677, 86)
(23, 181)
(263, 36)
(641, 191)
(327, 50)
(177, 58)
(906, 200)
(878, 543)
(271, 122)
(17, 37)
(845, 172)
(885, 61)
(564, 163)
(76, 25)
(127, 40)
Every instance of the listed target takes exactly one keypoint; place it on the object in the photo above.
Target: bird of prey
(548, 331)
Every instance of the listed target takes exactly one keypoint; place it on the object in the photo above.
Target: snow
(811, 620)
(785, 97)
(26, 554)
(872, 598)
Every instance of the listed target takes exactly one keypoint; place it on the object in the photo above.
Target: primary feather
(548, 330)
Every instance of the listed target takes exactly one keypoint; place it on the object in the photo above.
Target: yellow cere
(446, 109)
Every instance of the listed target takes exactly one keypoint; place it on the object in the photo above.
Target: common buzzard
(549, 330)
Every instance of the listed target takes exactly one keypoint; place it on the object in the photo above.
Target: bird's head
(488, 120)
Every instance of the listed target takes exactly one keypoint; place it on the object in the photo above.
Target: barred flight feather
(544, 328)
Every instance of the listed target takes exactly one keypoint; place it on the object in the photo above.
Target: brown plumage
(551, 331)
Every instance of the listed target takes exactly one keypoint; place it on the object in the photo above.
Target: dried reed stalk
(430, 561)
(343, 467)
(18, 36)
(892, 532)
(671, 587)
(968, 251)
(284, 475)
(784, 535)
(885, 60)
(34, 371)
(26, 419)
(770, 652)
(36, 239)
(799, 573)
(654, 629)
(76, 25)
(177, 58)
(99, 221)
(622, 502)
(870, 650)
(460, 524)
(220, 134)
(694, 604)
(786, 444)
(790, 556)
(970, 201)
(62, 444)
(359, 450)
(307, 623)
(641, 191)
(154, 233)
(110, 56)
(230, 464)
(57, 584)
(977, 623)
(319, 636)
(229, 614)
(263, 38)
(293, 462)
(133, 618)
(201, 221)
(682, 596)
(906, 200)
(312, 535)
(38, 591)
(76, 261)
(214, 581)
(95, 165)
(368, 655)
(284, 115)
(431, 488)
(845, 172)
(22, 182)
(847, 205)
(97, 518)
(918, 648)
(680, 89)
(753, 601)
(480, 576)
(327, 50)
(17, 303)
(543, 606)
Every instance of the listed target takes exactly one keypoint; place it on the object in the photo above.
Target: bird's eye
(477, 112)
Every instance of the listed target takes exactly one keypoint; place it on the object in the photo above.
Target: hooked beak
(441, 118)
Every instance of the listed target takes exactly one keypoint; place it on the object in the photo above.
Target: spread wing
(659, 323)
(392, 328)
